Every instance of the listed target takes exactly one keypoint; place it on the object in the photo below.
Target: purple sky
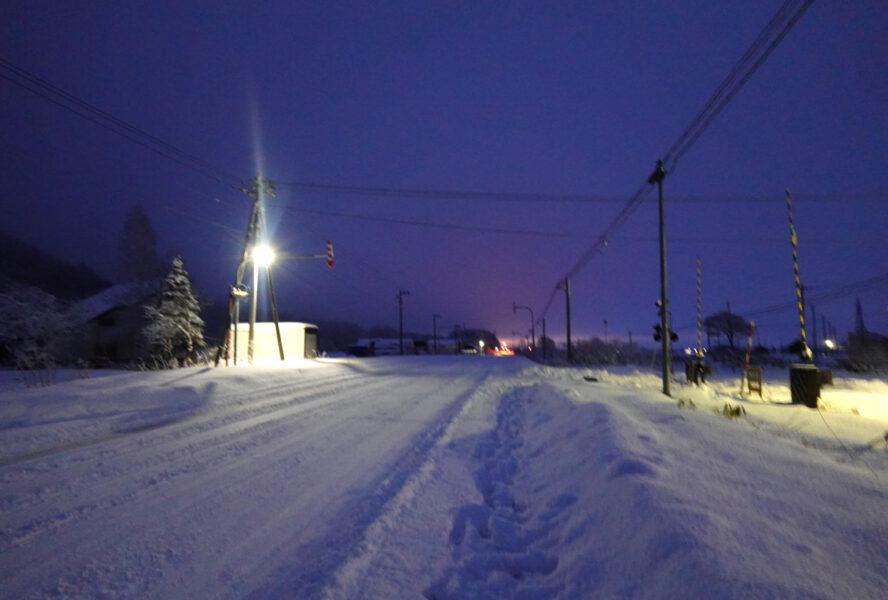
(553, 98)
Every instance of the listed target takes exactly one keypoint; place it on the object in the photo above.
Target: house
(109, 324)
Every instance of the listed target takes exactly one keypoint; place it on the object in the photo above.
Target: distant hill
(24, 263)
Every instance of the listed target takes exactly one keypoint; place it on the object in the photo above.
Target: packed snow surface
(439, 478)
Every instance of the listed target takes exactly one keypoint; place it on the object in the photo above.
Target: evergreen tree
(137, 249)
(174, 333)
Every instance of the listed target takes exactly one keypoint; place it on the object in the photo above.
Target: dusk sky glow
(571, 101)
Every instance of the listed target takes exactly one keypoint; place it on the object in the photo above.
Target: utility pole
(435, 318)
(565, 285)
(401, 294)
(605, 331)
(814, 329)
(657, 177)
(543, 323)
(255, 228)
(515, 308)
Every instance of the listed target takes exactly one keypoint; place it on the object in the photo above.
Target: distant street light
(481, 346)
(401, 294)
(515, 308)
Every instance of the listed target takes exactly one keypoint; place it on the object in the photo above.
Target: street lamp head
(263, 255)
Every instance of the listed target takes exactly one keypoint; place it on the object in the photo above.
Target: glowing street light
(263, 255)
(481, 345)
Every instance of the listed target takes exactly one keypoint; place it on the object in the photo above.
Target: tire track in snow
(334, 554)
(125, 423)
(212, 448)
(212, 489)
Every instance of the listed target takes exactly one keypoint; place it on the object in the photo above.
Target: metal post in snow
(657, 177)
(274, 311)
(253, 303)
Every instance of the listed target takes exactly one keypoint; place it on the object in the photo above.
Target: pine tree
(174, 333)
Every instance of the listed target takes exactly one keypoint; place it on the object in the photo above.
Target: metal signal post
(657, 177)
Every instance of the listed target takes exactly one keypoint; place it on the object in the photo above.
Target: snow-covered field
(438, 477)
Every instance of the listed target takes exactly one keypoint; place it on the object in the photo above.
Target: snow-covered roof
(269, 325)
(121, 294)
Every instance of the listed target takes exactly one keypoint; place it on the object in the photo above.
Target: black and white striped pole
(807, 355)
(699, 308)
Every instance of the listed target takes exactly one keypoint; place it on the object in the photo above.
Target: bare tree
(725, 323)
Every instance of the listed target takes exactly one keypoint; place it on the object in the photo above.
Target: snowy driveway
(450, 477)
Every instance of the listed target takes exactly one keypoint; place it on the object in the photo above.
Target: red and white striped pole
(749, 346)
(330, 260)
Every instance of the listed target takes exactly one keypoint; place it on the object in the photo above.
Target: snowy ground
(438, 477)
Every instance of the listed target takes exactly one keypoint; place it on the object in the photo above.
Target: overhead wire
(60, 97)
(745, 67)
(431, 224)
(719, 101)
(833, 293)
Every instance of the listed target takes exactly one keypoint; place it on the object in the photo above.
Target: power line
(736, 79)
(833, 293)
(552, 198)
(734, 82)
(432, 194)
(85, 110)
(432, 225)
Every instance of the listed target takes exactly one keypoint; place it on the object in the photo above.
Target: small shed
(300, 340)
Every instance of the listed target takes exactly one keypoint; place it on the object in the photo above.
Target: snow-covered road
(436, 477)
